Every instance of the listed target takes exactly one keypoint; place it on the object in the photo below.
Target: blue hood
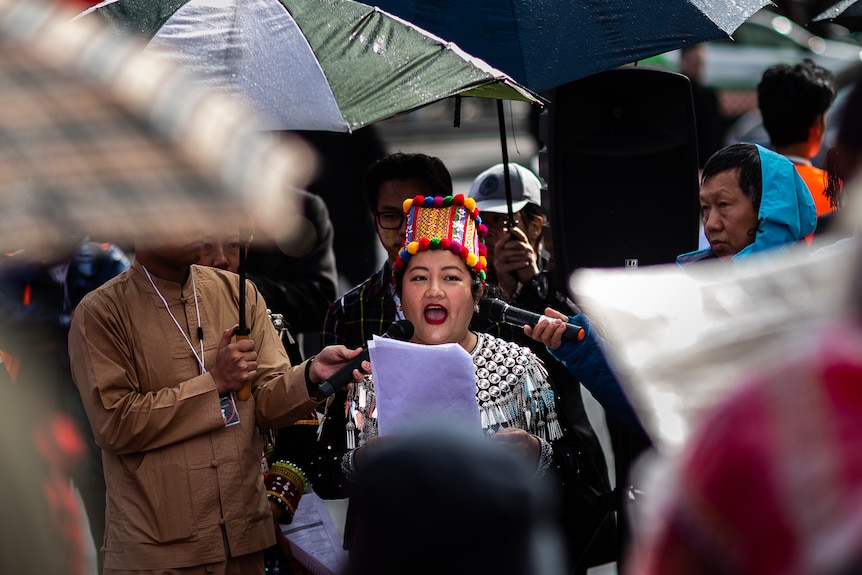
(787, 213)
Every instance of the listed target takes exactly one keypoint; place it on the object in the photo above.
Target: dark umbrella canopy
(847, 13)
(546, 43)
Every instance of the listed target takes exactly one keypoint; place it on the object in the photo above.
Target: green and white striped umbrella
(332, 65)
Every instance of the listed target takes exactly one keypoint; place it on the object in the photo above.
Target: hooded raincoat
(787, 213)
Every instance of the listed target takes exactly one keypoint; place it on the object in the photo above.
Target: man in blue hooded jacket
(752, 200)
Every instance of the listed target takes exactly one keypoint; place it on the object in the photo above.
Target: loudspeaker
(620, 165)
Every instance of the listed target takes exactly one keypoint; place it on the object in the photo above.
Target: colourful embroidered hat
(451, 223)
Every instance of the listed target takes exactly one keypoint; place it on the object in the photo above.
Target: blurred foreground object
(97, 137)
(682, 340)
(770, 479)
(43, 522)
(451, 501)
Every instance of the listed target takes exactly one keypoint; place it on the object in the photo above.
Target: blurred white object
(681, 338)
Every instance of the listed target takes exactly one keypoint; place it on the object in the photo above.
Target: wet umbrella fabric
(543, 44)
(847, 13)
(97, 137)
(333, 65)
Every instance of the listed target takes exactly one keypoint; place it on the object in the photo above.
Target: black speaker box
(619, 159)
(620, 164)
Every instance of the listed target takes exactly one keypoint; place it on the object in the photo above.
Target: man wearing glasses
(372, 306)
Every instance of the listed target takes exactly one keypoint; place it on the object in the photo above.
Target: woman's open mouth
(435, 314)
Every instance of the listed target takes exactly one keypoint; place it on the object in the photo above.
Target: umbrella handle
(243, 333)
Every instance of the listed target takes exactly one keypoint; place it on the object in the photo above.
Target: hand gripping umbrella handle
(242, 331)
(244, 393)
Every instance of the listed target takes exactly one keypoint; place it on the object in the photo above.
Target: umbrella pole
(242, 331)
(501, 120)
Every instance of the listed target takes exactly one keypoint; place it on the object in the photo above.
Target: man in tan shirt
(154, 358)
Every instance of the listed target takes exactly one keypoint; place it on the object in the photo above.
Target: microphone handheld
(499, 311)
(401, 330)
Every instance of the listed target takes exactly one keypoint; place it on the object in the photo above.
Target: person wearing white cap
(516, 257)
(518, 273)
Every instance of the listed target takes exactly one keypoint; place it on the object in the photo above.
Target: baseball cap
(489, 189)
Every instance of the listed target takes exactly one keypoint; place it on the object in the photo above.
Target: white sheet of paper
(417, 384)
(314, 538)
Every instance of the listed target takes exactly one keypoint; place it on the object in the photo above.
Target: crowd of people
(181, 472)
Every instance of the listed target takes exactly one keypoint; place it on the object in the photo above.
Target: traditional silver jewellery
(546, 457)
(513, 389)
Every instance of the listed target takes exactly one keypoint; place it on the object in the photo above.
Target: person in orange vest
(793, 100)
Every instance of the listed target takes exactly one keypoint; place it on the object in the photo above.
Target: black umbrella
(543, 44)
(847, 13)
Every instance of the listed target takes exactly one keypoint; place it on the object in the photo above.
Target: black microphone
(401, 330)
(499, 311)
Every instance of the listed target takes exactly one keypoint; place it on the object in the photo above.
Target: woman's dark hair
(742, 157)
(401, 166)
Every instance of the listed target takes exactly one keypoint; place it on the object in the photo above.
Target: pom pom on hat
(449, 223)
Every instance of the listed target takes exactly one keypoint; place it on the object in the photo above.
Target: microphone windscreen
(401, 330)
(491, 308)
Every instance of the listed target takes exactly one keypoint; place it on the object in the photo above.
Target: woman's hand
(550, 329)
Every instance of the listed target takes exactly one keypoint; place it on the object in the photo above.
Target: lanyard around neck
(200, 357)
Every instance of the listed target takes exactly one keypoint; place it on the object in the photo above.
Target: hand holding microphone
(401, 330)
(499, 311)
(548, 331)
